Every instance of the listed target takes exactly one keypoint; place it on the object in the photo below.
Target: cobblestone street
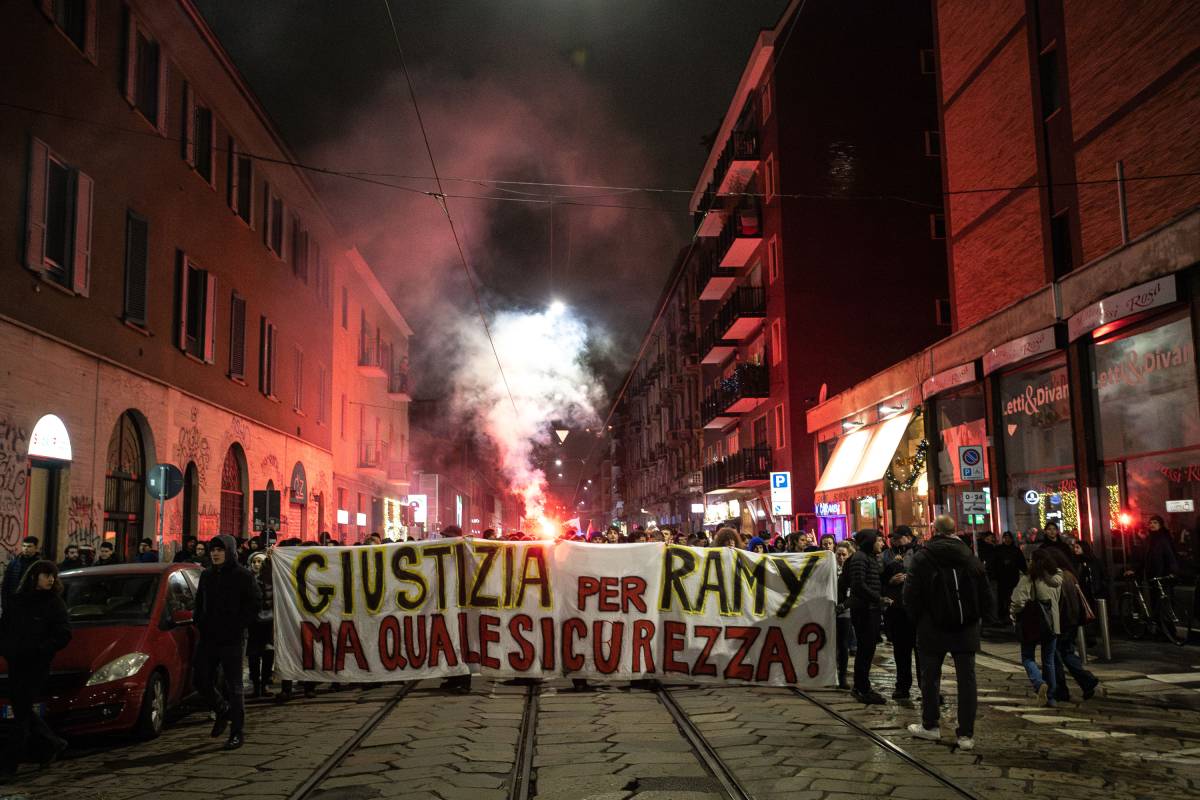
(1140, 740)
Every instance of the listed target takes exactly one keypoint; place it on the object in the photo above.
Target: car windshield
(109, 598)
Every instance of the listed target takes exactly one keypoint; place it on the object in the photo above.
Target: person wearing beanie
(865, 602)
(757, 545)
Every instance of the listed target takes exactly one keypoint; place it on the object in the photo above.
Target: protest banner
(534, 609)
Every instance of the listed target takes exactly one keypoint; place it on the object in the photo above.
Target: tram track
(701, 747)
(520, 780)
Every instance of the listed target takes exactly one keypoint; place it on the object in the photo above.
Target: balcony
(741, 236)
(745, 468)
(397, 472)
(398, 386)
(710, 217)
(370, 360)
(372, 458)
(737, 163)
(742, 392)
(713, 348)
(741, 315)
(713, 279)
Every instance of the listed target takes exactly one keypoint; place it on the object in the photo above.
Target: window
(345, 309)
(241, 183)
(58, 220)
(237, 337)
(771, 177)
(765, 102)
(772, 259)
(942, 312)
(928, 62)
(145, 74)
(137, 234)
(937, 226)
(195, 295)
(933, 143)
(780, 428)
(298, 382)
(273, 221)
(199, 136)
(267, 347)
(776, 341)
(76, 19)
(322, 395)
(342, 419)
(299, 250)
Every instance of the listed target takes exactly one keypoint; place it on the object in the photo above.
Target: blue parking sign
(779, 480)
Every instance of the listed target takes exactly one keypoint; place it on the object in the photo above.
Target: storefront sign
(1033, 399)
(1033, 497)
(298, 489)
(834, 509)
(1141, 298)
(781, 494)
(970, 462)
(1033, 344)
(697, 508)
(975, 502)
(539, 609)
(1180, 506)
(948, 379)
(50, 440)
(418, 508)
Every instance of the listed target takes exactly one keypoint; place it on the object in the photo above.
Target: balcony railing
(713, 347)
(743, 391)
(747, 467)
(741, 235)
(741, 314)
(370, 359)
(712, 279)
(397, 471)
(398, 385)
(372, 456)
(738, 162)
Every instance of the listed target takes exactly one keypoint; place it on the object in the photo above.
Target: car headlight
(119, 668)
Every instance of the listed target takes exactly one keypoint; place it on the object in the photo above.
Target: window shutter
(89, 44)
(283, 232)
(162, 91)
(35, 209)
(262, 354)
(130, 58)
(272, 356)
(188, 139)
(237, 337)
(81, 270)
(232, 181)
(210, 324)
(266, 215)
(136, 258)
(181, 299)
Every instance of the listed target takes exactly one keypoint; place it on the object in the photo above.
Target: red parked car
(130, 655)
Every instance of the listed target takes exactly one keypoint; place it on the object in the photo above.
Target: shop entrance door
(42, 515)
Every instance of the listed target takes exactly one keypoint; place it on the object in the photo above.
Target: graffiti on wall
(209, 521)
(81, 521)
(270, 471)
(14, 476)
(192, 446)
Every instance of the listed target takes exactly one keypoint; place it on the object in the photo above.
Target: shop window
(58, 220)
(907, 478)
(961, 421)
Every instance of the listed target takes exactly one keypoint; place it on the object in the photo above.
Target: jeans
(843, 647)
(930, 665)
(1069, 658)
(866, 629)
(1046, 674)
(204, 670)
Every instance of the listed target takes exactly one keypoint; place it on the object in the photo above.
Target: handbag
(1088, 614)
(1036, 619)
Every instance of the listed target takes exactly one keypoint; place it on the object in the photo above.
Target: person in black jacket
(15, 571)
(946, 562)
(899, 627)
(188, 551)
(865, 601)
(1006, 567)
(227, 602)
(35, 627)
(72, 559)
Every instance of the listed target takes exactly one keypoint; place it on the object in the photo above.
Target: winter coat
(843, 594)
(1070, 610)
(1006, 565)
(1062, 546)
(35, 627)
(1049, 589)
(1161, 560)
(919, 594)
(227, 599)
(70, 563)
(862, 580)
(148, 557)
(15, 571)
(1092, 579)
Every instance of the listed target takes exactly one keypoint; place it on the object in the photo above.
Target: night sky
(610, 92)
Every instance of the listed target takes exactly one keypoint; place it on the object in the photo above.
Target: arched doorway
(49, 460)
(233, 492)
(125, 488)
(191, 501)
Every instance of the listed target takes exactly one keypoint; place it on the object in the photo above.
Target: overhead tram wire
(441, 196)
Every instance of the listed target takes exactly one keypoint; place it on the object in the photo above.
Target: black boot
(236, 740)
(222, 720)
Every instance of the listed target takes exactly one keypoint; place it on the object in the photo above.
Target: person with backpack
(1034, 607)
(865, 600)
(946, 595)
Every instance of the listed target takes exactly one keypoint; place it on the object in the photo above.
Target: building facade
(168, 289)
(1071, 369)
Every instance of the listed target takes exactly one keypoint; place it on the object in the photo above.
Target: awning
(860, 461)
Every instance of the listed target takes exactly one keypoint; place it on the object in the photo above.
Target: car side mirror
(181, 617)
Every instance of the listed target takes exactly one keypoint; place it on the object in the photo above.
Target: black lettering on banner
(372, 591)
(794, 583)
(440, 642)
(711, 634)
(714, 581)
(460, 561)
(737, 668)
(572, 628)
(349, 644)
(672, 584)
(509, 569)
(310, 635)
(673, 636)
(469, 656)
(412, 555)
(482, 570)
(548, 648)
(752, 572)
(324, 592)
(391, 643)
(607, 665)
(488, 635)
(535, 555)
(643, 640)
(775, 651)
(417, 656)
(439, 552)
(347, 583)
(518, 626)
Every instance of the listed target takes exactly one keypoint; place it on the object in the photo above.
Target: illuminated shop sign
(834, 509)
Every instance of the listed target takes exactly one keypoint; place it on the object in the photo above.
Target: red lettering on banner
(440, 642)
(547, 643)
(518, 626)
(710, 634)
(349, 644)
(607, 665)
(587, 587)
(775, 651)
(390, 644)
(608, 595)
(572, 628)
(673, 633)
(488, 635)
(633, 590)
(309, 635)
(464, 640)
(643, 635)
(415, 658)
(737, 669)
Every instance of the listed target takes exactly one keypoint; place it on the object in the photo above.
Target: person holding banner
(866, 602)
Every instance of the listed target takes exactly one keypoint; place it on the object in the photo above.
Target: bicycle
(1140, 618)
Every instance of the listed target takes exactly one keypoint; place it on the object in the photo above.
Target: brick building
(1073, 239)
(805, 274)
(169, 286)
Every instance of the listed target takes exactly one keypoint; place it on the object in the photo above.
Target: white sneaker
(966, 743)
(921, 732)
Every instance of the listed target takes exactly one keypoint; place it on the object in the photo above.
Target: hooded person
(227, 603)
(757, 545)
(865, 600)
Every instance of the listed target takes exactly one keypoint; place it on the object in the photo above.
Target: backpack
(954, 596)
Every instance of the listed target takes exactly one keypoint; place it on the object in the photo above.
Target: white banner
(416, 610)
